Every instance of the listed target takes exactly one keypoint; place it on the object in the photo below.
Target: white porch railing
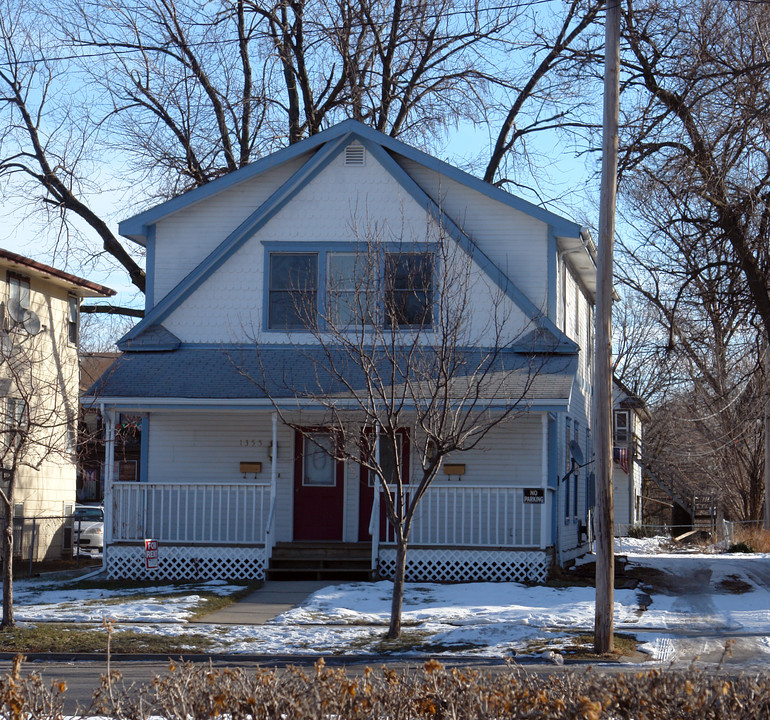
(190, 513)
(474, 516)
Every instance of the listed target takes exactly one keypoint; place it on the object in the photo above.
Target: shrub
(740, 547)
(202, 692)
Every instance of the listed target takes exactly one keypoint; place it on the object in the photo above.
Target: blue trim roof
(152, 339)
(136, 227)
(302, 372)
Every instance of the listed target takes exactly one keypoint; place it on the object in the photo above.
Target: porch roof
(302, 374)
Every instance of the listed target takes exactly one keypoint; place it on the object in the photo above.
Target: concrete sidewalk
(273, 598)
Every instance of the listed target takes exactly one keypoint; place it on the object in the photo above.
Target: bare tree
(38, 416)
(695, 173)
(176, 94)
(46, 139)
(416, 341)
(697, 138)
(692, 350)
(553, 92)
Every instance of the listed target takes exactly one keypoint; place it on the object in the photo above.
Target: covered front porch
(219, 489)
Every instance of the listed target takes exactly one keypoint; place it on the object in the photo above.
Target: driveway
(704, 608)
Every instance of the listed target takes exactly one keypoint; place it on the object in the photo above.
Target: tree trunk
(8, 620)
(398, 591)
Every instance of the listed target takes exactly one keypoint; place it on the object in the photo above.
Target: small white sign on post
(151, 554)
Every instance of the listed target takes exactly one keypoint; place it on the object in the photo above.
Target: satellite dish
(576, 452)
(26, 318)
(31, 322)
(15, 310)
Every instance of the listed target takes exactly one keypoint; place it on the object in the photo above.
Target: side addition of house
(336, 236)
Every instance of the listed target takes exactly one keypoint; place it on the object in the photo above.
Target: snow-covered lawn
(697, 602)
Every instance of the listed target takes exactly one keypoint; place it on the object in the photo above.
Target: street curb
(304, 660)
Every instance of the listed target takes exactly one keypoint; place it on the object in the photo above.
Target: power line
(214, 43)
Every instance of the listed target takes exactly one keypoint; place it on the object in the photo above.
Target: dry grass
(66, 637)
(754, 536)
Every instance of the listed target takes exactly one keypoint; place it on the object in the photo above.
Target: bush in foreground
(196, 692)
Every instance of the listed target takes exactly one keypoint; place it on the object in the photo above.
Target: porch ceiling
(302, 373)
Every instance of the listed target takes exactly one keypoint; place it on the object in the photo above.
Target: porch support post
(374, 521)
(544, 514)
(109, 472)
(270, 530)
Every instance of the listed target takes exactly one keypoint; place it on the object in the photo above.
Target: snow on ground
(690, 605)
(37, 601)
(641, 546)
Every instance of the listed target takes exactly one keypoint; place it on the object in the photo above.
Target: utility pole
(766, 359)
(605, 558)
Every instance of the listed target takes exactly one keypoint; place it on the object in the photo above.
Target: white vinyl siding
(227, 307)
(185, 239)
(516, 242)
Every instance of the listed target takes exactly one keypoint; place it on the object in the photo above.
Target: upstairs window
(622, 428)
(72, 319)
(293, 291)
(350, 289)
(18, 287)
(408, 289)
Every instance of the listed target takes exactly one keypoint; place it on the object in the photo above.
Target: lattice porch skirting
(460, 565)
(187, 563)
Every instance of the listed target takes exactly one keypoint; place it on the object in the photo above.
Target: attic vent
(354, 155)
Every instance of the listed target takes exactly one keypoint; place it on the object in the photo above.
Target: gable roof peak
(136, 227)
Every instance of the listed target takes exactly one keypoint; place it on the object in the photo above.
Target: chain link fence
(721, 533)
(50, 538)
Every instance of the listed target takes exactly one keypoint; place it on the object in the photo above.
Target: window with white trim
(319, 468)
(577, 473)
(622, 427)
(73, 308)
(567, 465)
(340, 288)
(18, 289)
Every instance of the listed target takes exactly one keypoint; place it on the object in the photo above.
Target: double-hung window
(293, 291)
(16, 418)
(408, 289)
(346, 289)
(18, 287)
(622, 429)
(72, 319)
(350, 289)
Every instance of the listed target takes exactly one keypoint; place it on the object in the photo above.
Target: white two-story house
(259, 281)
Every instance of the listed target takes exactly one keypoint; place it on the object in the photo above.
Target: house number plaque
(534, 496)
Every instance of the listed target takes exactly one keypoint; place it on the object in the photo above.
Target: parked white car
(88, 530)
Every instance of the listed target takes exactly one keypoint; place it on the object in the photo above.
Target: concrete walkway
(273, 598)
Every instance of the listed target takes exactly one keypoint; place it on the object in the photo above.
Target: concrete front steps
(320, 561)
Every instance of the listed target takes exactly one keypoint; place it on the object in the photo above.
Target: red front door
(319, 487)
(367, 481)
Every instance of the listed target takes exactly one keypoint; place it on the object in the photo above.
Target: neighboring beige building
(39, 378)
